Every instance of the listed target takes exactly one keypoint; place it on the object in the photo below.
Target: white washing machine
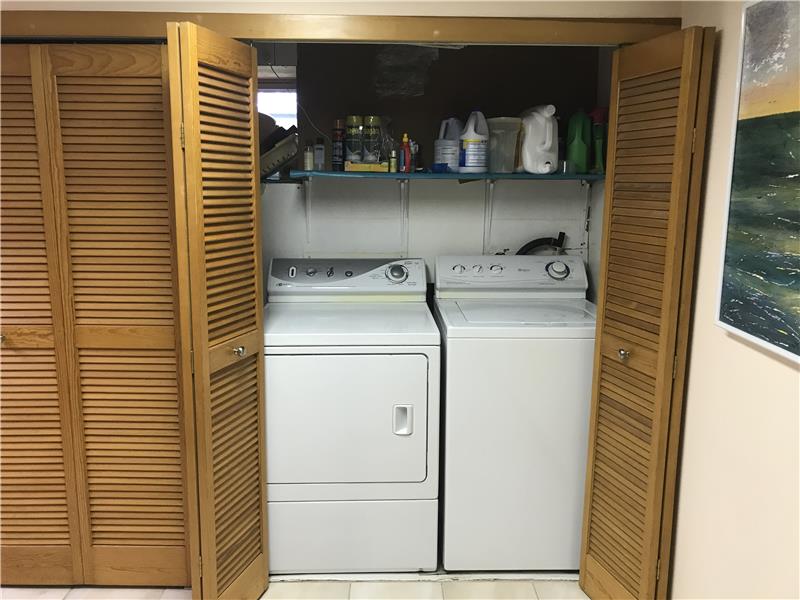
(518, 352)
(352, 393)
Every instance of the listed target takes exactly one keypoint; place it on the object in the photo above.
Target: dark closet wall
(417, 86)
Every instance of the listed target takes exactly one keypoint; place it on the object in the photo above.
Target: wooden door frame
(338, 28)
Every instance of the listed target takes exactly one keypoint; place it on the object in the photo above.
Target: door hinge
(191, 359)
(658, 569)
(183, 137)
(694, 138)
(674, 366)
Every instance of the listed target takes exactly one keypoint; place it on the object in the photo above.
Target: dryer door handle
(403, 419)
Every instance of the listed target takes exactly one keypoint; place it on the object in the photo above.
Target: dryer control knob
(397, 273)
(558, 270)
(496, 268)
(459, 269)
(477, 268)
(311, 271)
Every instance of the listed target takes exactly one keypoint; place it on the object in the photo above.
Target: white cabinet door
(352, 418)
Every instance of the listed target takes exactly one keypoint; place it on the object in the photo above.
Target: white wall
(366, 218)
(738, 532)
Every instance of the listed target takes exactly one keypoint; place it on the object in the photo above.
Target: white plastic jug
(473, 154)
(540, 140)
(451, 129)
(445, 149)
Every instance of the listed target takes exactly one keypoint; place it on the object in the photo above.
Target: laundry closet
(144, 230)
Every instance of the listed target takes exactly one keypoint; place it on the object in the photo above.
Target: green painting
(760, 294)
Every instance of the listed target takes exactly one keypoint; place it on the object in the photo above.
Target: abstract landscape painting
(760, 294)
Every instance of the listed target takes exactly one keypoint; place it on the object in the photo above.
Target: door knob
(624, 354)
(239, 351)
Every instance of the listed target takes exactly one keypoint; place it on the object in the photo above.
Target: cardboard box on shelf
(382, 167)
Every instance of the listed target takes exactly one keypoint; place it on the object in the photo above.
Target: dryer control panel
(560, 276)
(321, 279)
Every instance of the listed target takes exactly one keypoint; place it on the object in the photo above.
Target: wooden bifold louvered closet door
(122, 271)
(108, 105)
(213, 87)
(656, 131)
(38, 506)
(91, 392)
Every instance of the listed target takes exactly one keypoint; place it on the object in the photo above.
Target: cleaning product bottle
(599, 118)
(319, 155)
(405, 152)
(337, 145)
(473, 153)
(579, 137)
(308, 157)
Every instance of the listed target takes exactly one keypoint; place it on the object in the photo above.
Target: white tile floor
(333, 590)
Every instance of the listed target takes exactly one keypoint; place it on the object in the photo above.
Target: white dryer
(518, 352)
(352, 412)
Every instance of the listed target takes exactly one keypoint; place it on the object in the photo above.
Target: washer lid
(518, 318)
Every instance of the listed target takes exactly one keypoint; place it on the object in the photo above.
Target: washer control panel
(319, 277)
(560, 276)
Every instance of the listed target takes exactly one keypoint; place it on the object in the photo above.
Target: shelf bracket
(307, 202)
(404, 218)
(488, 213)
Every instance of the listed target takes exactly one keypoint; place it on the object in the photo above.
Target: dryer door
(347, 418)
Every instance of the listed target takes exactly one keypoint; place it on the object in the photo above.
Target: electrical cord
(305, 112)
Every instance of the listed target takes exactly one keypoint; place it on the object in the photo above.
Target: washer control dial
(557, 270)
(496, 268)
(459, 269)
(311, 271)
(477, 268)
(397, 273)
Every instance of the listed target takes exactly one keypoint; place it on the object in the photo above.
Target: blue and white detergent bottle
(473, 156)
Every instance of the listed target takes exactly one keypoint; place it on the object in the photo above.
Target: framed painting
(760, 287)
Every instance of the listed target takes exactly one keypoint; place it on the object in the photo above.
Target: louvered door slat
(117, 230)
(38, 515)
(218, 169)
(656, 104)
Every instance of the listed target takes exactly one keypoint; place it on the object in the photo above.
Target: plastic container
(445, 149)
(503, 138)
(539, 146)
(473, 153)
(372, 139)
(353, 138)
(579, 141)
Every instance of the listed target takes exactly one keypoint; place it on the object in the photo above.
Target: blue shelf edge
(589, 177)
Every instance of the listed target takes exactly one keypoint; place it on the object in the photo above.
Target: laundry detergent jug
(473, 154)
(540, 140)
(446, 147)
